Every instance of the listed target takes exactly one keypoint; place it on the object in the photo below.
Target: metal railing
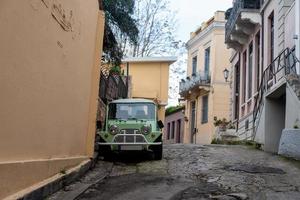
(238, 6)
(112, 87)
(196, 79)
(285, 63)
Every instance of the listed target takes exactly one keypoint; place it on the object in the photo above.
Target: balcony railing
(194, 81)
(234, 12)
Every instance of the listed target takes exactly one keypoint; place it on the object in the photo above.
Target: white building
(265, 94)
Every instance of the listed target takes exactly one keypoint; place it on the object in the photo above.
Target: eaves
(204, 33)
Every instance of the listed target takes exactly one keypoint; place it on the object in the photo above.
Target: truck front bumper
(129, 139)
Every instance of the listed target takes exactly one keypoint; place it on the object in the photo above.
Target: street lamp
(226, 74)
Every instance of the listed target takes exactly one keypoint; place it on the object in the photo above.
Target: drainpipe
(127, 78)
(262, 38)
(297, 32)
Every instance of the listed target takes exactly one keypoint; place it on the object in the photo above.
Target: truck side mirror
(160, 124)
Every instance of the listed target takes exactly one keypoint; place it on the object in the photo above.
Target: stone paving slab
(197, 172)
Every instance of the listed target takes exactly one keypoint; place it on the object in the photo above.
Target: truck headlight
(146, 129)
(113, 129)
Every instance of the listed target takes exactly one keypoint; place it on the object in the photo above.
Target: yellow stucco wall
(49, 57)
(150, 80)
(219, 90)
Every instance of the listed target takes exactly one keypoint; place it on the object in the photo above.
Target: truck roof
(133, 101)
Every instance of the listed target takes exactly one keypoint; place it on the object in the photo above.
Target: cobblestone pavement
(192, 172)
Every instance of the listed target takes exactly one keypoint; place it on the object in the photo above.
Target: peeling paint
(47, 3)
(60, 44)
(34, 5)
(65, 19)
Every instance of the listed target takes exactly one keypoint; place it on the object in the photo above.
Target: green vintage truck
(131, 125)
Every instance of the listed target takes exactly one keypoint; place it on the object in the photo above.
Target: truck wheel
(97, 139)
(157, 151)
(104, 151)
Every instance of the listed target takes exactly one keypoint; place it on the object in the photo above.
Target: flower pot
(222, 127)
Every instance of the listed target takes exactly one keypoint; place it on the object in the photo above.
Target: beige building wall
(210, 34)
(49, 57)
(150, 80)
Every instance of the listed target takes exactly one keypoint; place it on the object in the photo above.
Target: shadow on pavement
(129, 157)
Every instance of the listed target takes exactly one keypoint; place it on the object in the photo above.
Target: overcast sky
(191, 13)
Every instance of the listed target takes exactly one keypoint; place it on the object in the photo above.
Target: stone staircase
(283, 66)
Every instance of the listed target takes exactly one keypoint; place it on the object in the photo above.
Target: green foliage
(296, 124)
(115, 70)
(223, 123)
(173, 109)
(63, 171)
(220, 122)
(118, 18)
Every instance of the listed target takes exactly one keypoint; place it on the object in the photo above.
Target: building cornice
(204, 33)
(169, 59)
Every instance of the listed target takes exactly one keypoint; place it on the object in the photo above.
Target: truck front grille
(129, 139)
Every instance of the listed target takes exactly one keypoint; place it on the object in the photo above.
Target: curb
(56, 185)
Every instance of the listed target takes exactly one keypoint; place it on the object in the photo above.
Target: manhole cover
(255, 169)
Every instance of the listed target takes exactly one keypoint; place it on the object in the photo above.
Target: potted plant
(221, 123)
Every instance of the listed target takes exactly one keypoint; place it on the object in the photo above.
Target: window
(257, 38)
(244, 77)
(173, 130)
(168, 131)
(207, 60)
(250, 68)
(192, 121)
(204, 109)
(247, 125)
(194, 65)
(237, 91)
(271, 37)
(178, 135)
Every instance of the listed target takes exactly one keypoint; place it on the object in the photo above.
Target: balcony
(242, 20)
(196, 82)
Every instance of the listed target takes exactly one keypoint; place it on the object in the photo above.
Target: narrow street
(191, 172)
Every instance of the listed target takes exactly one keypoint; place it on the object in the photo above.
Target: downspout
(127, 79)
(262, 42)
(297, 33)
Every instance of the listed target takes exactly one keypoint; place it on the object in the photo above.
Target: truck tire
(157, 151)
(104, 151)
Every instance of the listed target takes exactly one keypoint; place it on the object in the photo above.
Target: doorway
(274, 122)
(193, 122)
(178, 134)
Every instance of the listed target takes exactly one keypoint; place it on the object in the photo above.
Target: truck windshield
(134, 111)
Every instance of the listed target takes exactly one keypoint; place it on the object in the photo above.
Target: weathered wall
(292, 117)
(48, 85)
(174, 117)
(289, 26)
